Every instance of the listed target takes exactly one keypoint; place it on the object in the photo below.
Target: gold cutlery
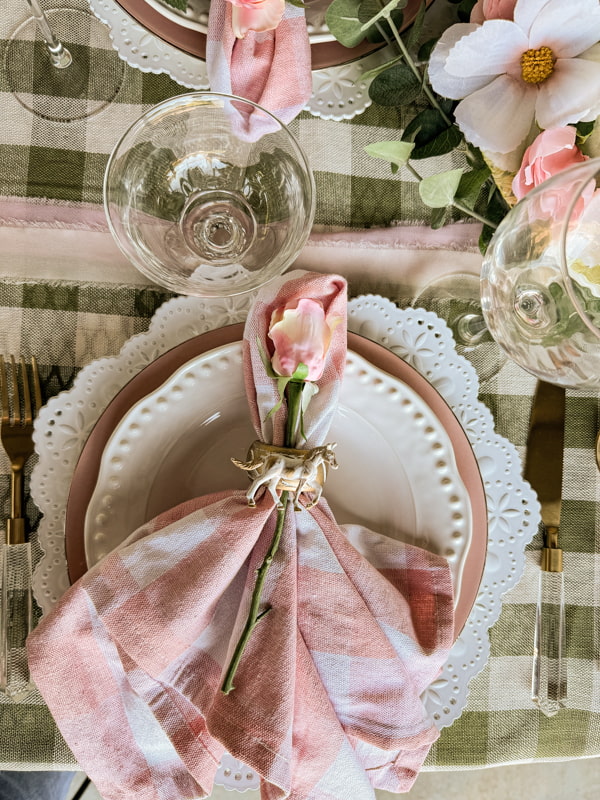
(16, 611)
(543, 470)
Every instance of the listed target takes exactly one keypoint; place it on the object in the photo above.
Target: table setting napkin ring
(287, 469)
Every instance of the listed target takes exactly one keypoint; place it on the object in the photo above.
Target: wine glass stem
(470, 329)
(59, 55)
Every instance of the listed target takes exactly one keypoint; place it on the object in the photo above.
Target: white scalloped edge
(338, 92)
(419, 337)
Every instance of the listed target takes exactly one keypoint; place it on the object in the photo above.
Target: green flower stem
(294, 404)
(456, 203)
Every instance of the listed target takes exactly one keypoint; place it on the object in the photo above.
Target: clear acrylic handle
(16, 620)
(549, 677)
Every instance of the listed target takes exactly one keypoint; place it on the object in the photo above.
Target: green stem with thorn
(294, 405)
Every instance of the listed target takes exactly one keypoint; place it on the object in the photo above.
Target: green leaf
(424, 128)
(426, 49)
(300, 373)
(415, 30)
(397, 153)
(397, 86)
(444, 143)
(370, 74)
(296, 3)
(438, 217)
(470, 186)
(181, 5)
(495, 210)
(438, 191)
(343, 23)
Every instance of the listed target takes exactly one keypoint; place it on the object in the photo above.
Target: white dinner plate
(397, 474)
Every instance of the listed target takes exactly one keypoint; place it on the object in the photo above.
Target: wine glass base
(456, 299)
(75, 92)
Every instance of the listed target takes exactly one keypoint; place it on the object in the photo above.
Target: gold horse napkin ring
(286, 469)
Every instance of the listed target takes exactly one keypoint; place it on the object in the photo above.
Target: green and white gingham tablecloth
(69, 309)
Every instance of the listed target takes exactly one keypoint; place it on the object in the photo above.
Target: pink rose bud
(301, 334)
(255, 15)
(492, 9)
(553, 151)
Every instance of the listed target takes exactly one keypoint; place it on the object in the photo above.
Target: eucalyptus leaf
(426, 49)
(445, 142)
(180, 5)
(370, 74)
(342, 20)
(438, 191)
(397, 86)
(426, 126)
(470, 186)
(415, 30)
(438, 217)
(396, 152)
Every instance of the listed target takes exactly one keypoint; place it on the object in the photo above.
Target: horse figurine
(286, 469)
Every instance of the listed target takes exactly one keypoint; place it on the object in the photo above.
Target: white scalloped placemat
(419, 337)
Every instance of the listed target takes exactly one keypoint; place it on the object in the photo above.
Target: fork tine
(37, 387)
(4, 390)
(16, 412)
(27, 415)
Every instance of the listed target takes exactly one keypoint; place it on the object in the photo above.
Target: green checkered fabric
(69, 324)
(65, 162)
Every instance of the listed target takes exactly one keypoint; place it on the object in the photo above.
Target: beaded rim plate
(398, 473)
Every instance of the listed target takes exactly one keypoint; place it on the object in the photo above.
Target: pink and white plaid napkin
(272, 69)
(327, 699)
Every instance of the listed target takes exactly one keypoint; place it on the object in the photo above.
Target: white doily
(419, 337)
(338, 92)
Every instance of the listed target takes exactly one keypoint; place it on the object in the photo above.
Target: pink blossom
(255, 15)
(301, 334)
(492, 9)
(553, 151)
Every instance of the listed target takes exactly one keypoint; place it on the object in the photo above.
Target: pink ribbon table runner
(326, 702)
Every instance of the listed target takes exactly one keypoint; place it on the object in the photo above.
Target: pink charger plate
(155, 374)
(324, 54)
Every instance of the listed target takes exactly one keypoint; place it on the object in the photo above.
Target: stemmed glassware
(209, 195)
(540, 280)
(60, 64)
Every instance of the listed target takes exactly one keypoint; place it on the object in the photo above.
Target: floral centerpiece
(512, 84)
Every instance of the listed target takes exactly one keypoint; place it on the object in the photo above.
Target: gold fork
(16, 612)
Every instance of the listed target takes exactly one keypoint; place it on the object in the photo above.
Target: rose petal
(498, 117)
(449, 85)
(571, 94)
(566, 28)
(259, 18)
(492, 49)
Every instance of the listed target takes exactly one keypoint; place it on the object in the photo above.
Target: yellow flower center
(537, 65)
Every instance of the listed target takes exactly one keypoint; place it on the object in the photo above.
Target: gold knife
(543, 470)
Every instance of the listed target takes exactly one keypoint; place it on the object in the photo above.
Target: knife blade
(543, 470)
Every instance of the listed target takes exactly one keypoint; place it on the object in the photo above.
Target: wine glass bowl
(204, 203)
(540, 280)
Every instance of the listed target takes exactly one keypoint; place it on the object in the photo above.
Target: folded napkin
(272, 69)
(326, 703)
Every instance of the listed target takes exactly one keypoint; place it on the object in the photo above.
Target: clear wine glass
(455, 297)
(60, 64)
(540, 280)
(209, 195)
